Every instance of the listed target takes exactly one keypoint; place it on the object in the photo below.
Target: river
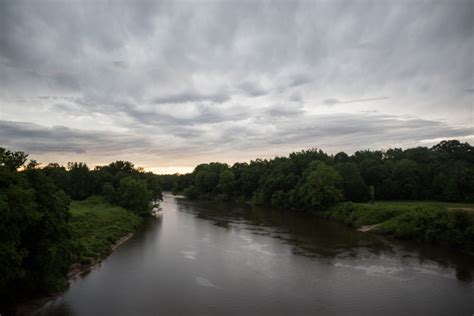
(208, 258)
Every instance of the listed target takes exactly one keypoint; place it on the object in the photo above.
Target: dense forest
(312, 179)
(36, 248)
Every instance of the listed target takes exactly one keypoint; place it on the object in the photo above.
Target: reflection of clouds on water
(259, 248)
(246, 238)
(205, 282)
(436, 273)
(189, 254)
(323, 241)
(376, 270)
(372, 269)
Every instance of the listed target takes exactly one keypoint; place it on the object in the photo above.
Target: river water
(208, 258)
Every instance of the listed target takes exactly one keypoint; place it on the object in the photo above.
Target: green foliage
(12, 160)
(354, 185)
(432, 222)
(108, 192)
(208, 182)
(364, 214)
(454, 228)
(191, 193)
(96, 225)
(17, 214)
(406, 179)
(133, 194)
(227, 184)
(321, 187)
(80, 184)
(35, 244)
(278, 182)
(153, 184)
(443, 172)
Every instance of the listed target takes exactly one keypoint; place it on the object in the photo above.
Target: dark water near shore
(211, 258)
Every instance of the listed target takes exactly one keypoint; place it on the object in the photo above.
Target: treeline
(119, 182)
(312, 179)
(36, 248)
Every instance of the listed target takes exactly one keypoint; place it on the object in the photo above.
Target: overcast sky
(169, 85)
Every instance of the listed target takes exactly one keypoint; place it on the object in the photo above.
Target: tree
(80, 181)
(108, 192)
(12, 160)
(455, 150)
(133, 194)
(301, 160)
(35, 244)
(226, 184)
(321, 187)
(17, 213)
(445, 171)
(153, 183)
(354, 186)
(250, 178)
(406, 179)
(48, 239)
(341, 157)
(191, 193)
(58, 174)
(206, 178)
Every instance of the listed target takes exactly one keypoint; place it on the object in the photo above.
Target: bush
(367, 214)
(452, 228)
(191, 193)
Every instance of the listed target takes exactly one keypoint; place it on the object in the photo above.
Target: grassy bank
(96, 226)
(450, 224)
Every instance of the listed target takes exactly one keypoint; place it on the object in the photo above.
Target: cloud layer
(173, 84)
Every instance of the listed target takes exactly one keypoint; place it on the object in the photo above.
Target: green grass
(96, 226)
(412, 204)
(450, 224)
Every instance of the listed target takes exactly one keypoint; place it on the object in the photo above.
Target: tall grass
(96, 226)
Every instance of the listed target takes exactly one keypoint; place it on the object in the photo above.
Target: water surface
(205, 258)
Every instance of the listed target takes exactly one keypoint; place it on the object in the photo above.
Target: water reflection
(314, 237)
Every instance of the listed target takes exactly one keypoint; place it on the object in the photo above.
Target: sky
(169, 85)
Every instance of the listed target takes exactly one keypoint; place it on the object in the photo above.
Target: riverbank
(97, 225)
(448, 224)
(97, 229)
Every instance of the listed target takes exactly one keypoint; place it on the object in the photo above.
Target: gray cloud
(252, 89)
(120, 64)
(296, 96)
(333, 101)
(40, 139)
(160, 78)
(192, 97)
(299, 79)
(284, 111)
